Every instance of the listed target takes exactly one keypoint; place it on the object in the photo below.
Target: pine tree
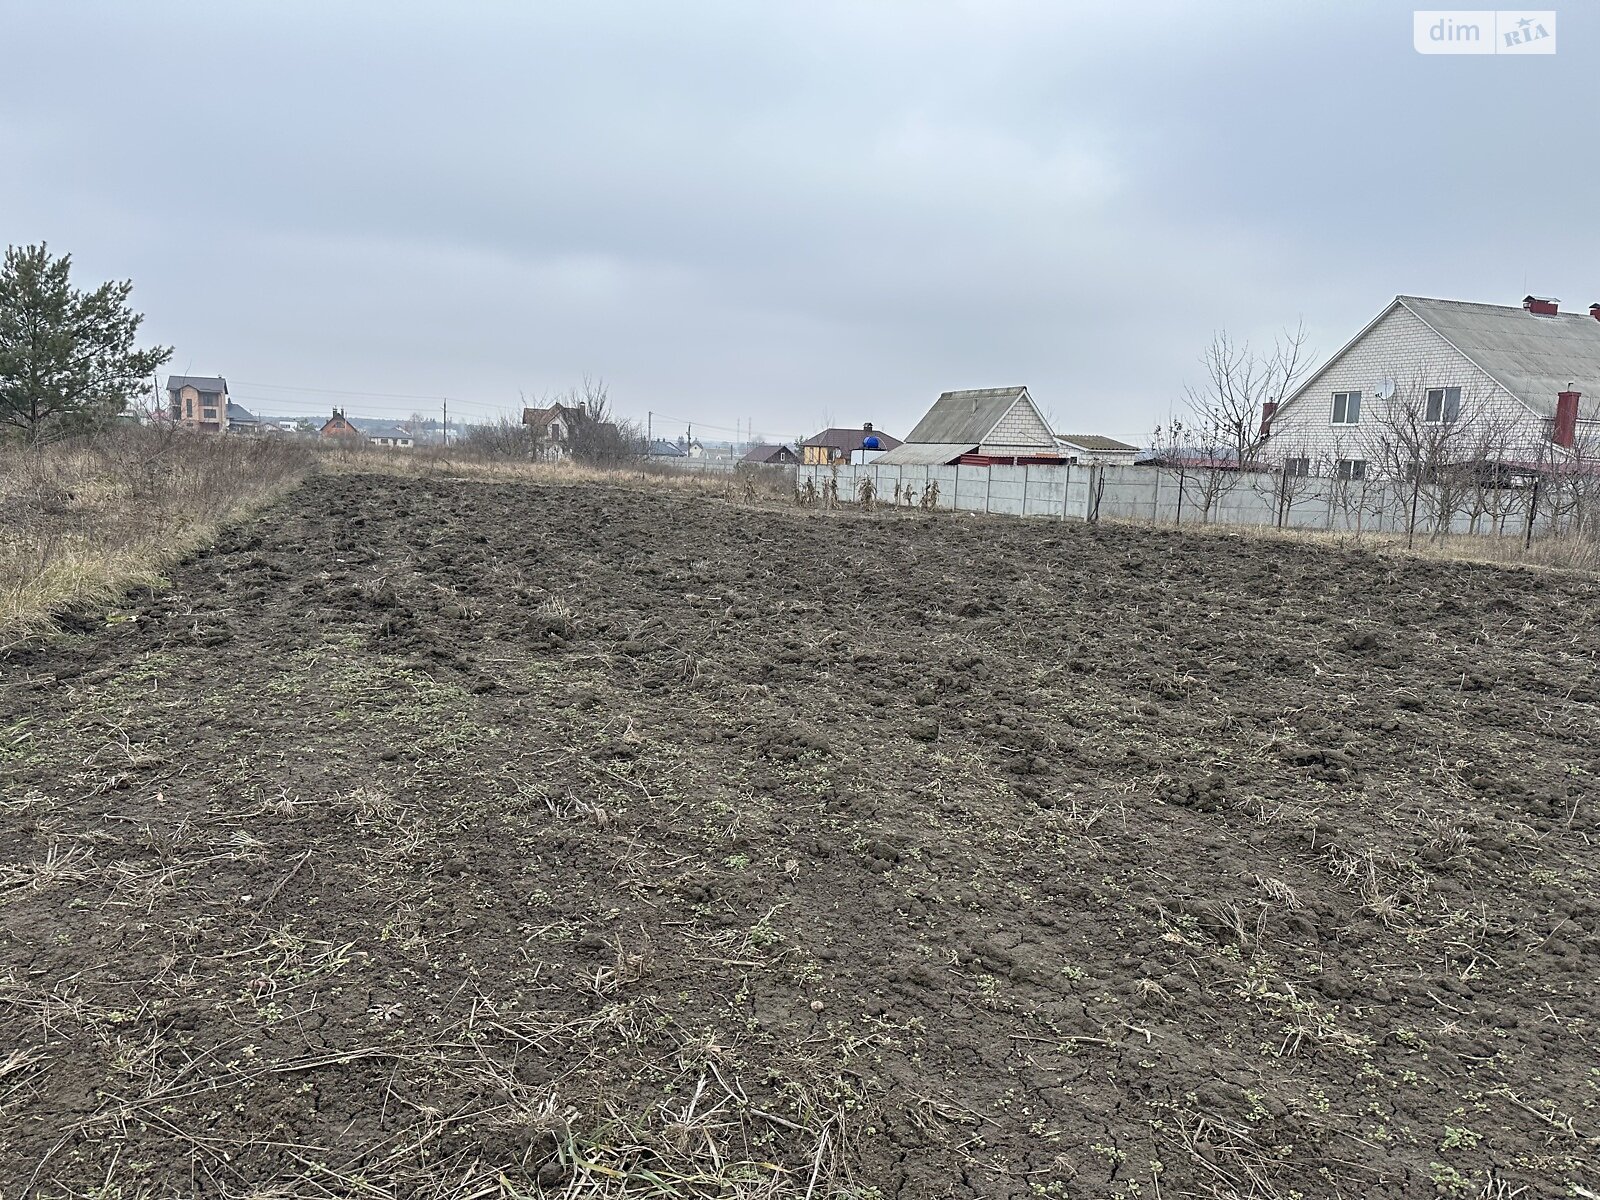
(67, 357)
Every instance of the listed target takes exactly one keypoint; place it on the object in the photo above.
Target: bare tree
(1296, 475)
(1354, 489)
(1502, 476)
(597, 439)
(1241, 385)
(1425, 437)
(1566, 492)
(1203, 456)
(503, 438)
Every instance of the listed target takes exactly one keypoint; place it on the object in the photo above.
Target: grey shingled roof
(200, 383)
(238, 414)
(764, 453)
(1532, 357)
(926, 454)
(383, 429)
(966, 416)
(1094, 441)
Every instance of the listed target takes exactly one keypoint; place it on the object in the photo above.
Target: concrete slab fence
(1165, 496)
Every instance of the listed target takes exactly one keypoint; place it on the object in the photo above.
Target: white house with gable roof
(1490, 382)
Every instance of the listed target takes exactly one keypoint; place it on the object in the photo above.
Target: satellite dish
(1384, 389)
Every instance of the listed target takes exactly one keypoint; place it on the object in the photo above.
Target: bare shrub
(502, 439)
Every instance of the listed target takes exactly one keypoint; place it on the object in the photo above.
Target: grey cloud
(776, 210)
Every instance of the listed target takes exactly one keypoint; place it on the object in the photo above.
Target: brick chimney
(1594, 311)
(1564, 431)
(1541, 306)
(1269, 409)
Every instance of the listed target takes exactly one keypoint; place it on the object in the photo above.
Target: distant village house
(844, 445)
(980, 426)
(769, 456)
(200, 402)
(339, 426)
(1095, 448)
(557, 427)
(390, 434)
(394, 435)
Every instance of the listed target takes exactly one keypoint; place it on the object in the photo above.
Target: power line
(484, 406)
(370, 408)
(290, 387)
(739, 432)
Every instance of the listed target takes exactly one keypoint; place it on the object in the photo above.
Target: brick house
(201, 402)
(1483, 382)
(340, 426)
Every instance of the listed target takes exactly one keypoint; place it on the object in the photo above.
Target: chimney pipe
(1564, 431)
(1542, 306)
(1269, 409)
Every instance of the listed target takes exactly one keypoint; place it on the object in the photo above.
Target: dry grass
(83, 521)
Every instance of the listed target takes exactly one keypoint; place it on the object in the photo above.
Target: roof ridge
(1506, 308)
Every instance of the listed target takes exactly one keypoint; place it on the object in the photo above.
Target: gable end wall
(1402, 347)
(1019, 432)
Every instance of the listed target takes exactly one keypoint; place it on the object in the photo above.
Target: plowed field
(458, 839)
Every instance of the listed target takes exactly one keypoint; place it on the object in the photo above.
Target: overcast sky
(783, 213)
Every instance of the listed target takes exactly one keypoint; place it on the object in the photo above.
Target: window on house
(1351, 470)
(188, 407)
(1443, 406)
(1347, 408)
(1297, 466)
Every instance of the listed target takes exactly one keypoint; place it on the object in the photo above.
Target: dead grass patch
(83, 521)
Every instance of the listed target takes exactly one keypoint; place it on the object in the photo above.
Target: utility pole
(649, 429)
(447, 421)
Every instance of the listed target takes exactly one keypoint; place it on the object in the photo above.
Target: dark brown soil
(464, 839)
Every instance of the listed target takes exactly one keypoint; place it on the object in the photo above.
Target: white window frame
(1347, 397)
(1345, 470)
(1445, 416)
(1297, 468)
